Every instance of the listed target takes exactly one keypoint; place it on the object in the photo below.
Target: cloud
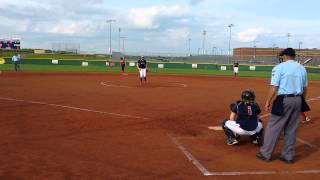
(149, 18)
(250, 34)
(195, 2)
(174, 37)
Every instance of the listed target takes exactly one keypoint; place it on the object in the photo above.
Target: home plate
(216, 128)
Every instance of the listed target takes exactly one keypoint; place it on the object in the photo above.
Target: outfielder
(244, 120)
(142, 67)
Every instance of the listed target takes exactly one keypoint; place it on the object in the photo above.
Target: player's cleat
(232, 141)
(306, 120)
(256, 142)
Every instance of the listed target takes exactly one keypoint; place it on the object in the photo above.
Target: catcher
(244, 120)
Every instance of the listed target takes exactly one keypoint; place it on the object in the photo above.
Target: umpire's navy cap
(288, 52)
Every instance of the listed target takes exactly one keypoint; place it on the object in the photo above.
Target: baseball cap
(288, 52)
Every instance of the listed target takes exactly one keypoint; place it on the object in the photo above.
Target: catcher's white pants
(143, 73)
(235, 69)
(234, 127)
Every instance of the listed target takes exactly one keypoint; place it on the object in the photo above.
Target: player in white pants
(142, 67)
(236, 68)
(244, 120)
(235, 127)
(143, 73)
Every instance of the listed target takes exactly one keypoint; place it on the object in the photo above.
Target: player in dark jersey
(122, 63)
(244, 120)
(236, 68)
(142, 67)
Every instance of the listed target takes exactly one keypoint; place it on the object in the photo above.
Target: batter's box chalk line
(206, 172)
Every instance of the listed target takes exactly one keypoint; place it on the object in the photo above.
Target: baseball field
(96, 125)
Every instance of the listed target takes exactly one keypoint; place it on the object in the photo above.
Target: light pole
(204, 41)
(254, 50)
(213, 50)
(110, 21)
(289, 35)
(300, 45)
(119, 39)
(189, 50)
(299, 54)
(273, 48)
(123, 45)
(230, 26)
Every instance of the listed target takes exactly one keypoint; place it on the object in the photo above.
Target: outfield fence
(207, 66)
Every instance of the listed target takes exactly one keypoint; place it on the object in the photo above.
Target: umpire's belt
(289, 95)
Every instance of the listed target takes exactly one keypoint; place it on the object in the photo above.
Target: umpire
(289, 85)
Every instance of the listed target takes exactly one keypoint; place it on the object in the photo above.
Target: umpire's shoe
(281, 158)
(260, 156)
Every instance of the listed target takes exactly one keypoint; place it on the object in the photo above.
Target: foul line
(74, 108)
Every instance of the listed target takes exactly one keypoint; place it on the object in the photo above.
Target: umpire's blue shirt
(290, 77)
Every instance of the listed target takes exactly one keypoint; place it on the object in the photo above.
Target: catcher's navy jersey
(142, 63)
(247, 115)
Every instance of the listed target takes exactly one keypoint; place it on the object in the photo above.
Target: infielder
(142, 67)
(244, 120)
(236, 68)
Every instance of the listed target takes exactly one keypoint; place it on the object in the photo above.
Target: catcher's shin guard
(224, 124)
(229, 132)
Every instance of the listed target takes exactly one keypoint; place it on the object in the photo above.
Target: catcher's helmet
(248, 96)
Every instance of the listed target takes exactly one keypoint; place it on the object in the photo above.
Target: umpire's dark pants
(288, 123)
(16, 65)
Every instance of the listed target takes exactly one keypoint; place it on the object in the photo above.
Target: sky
(162, 26)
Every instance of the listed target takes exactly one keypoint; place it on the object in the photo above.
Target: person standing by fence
(123, 64)
(16, 60)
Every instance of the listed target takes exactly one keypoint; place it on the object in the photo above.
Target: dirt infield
(107, 126)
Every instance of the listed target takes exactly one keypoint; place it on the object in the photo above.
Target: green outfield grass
(72, 68)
